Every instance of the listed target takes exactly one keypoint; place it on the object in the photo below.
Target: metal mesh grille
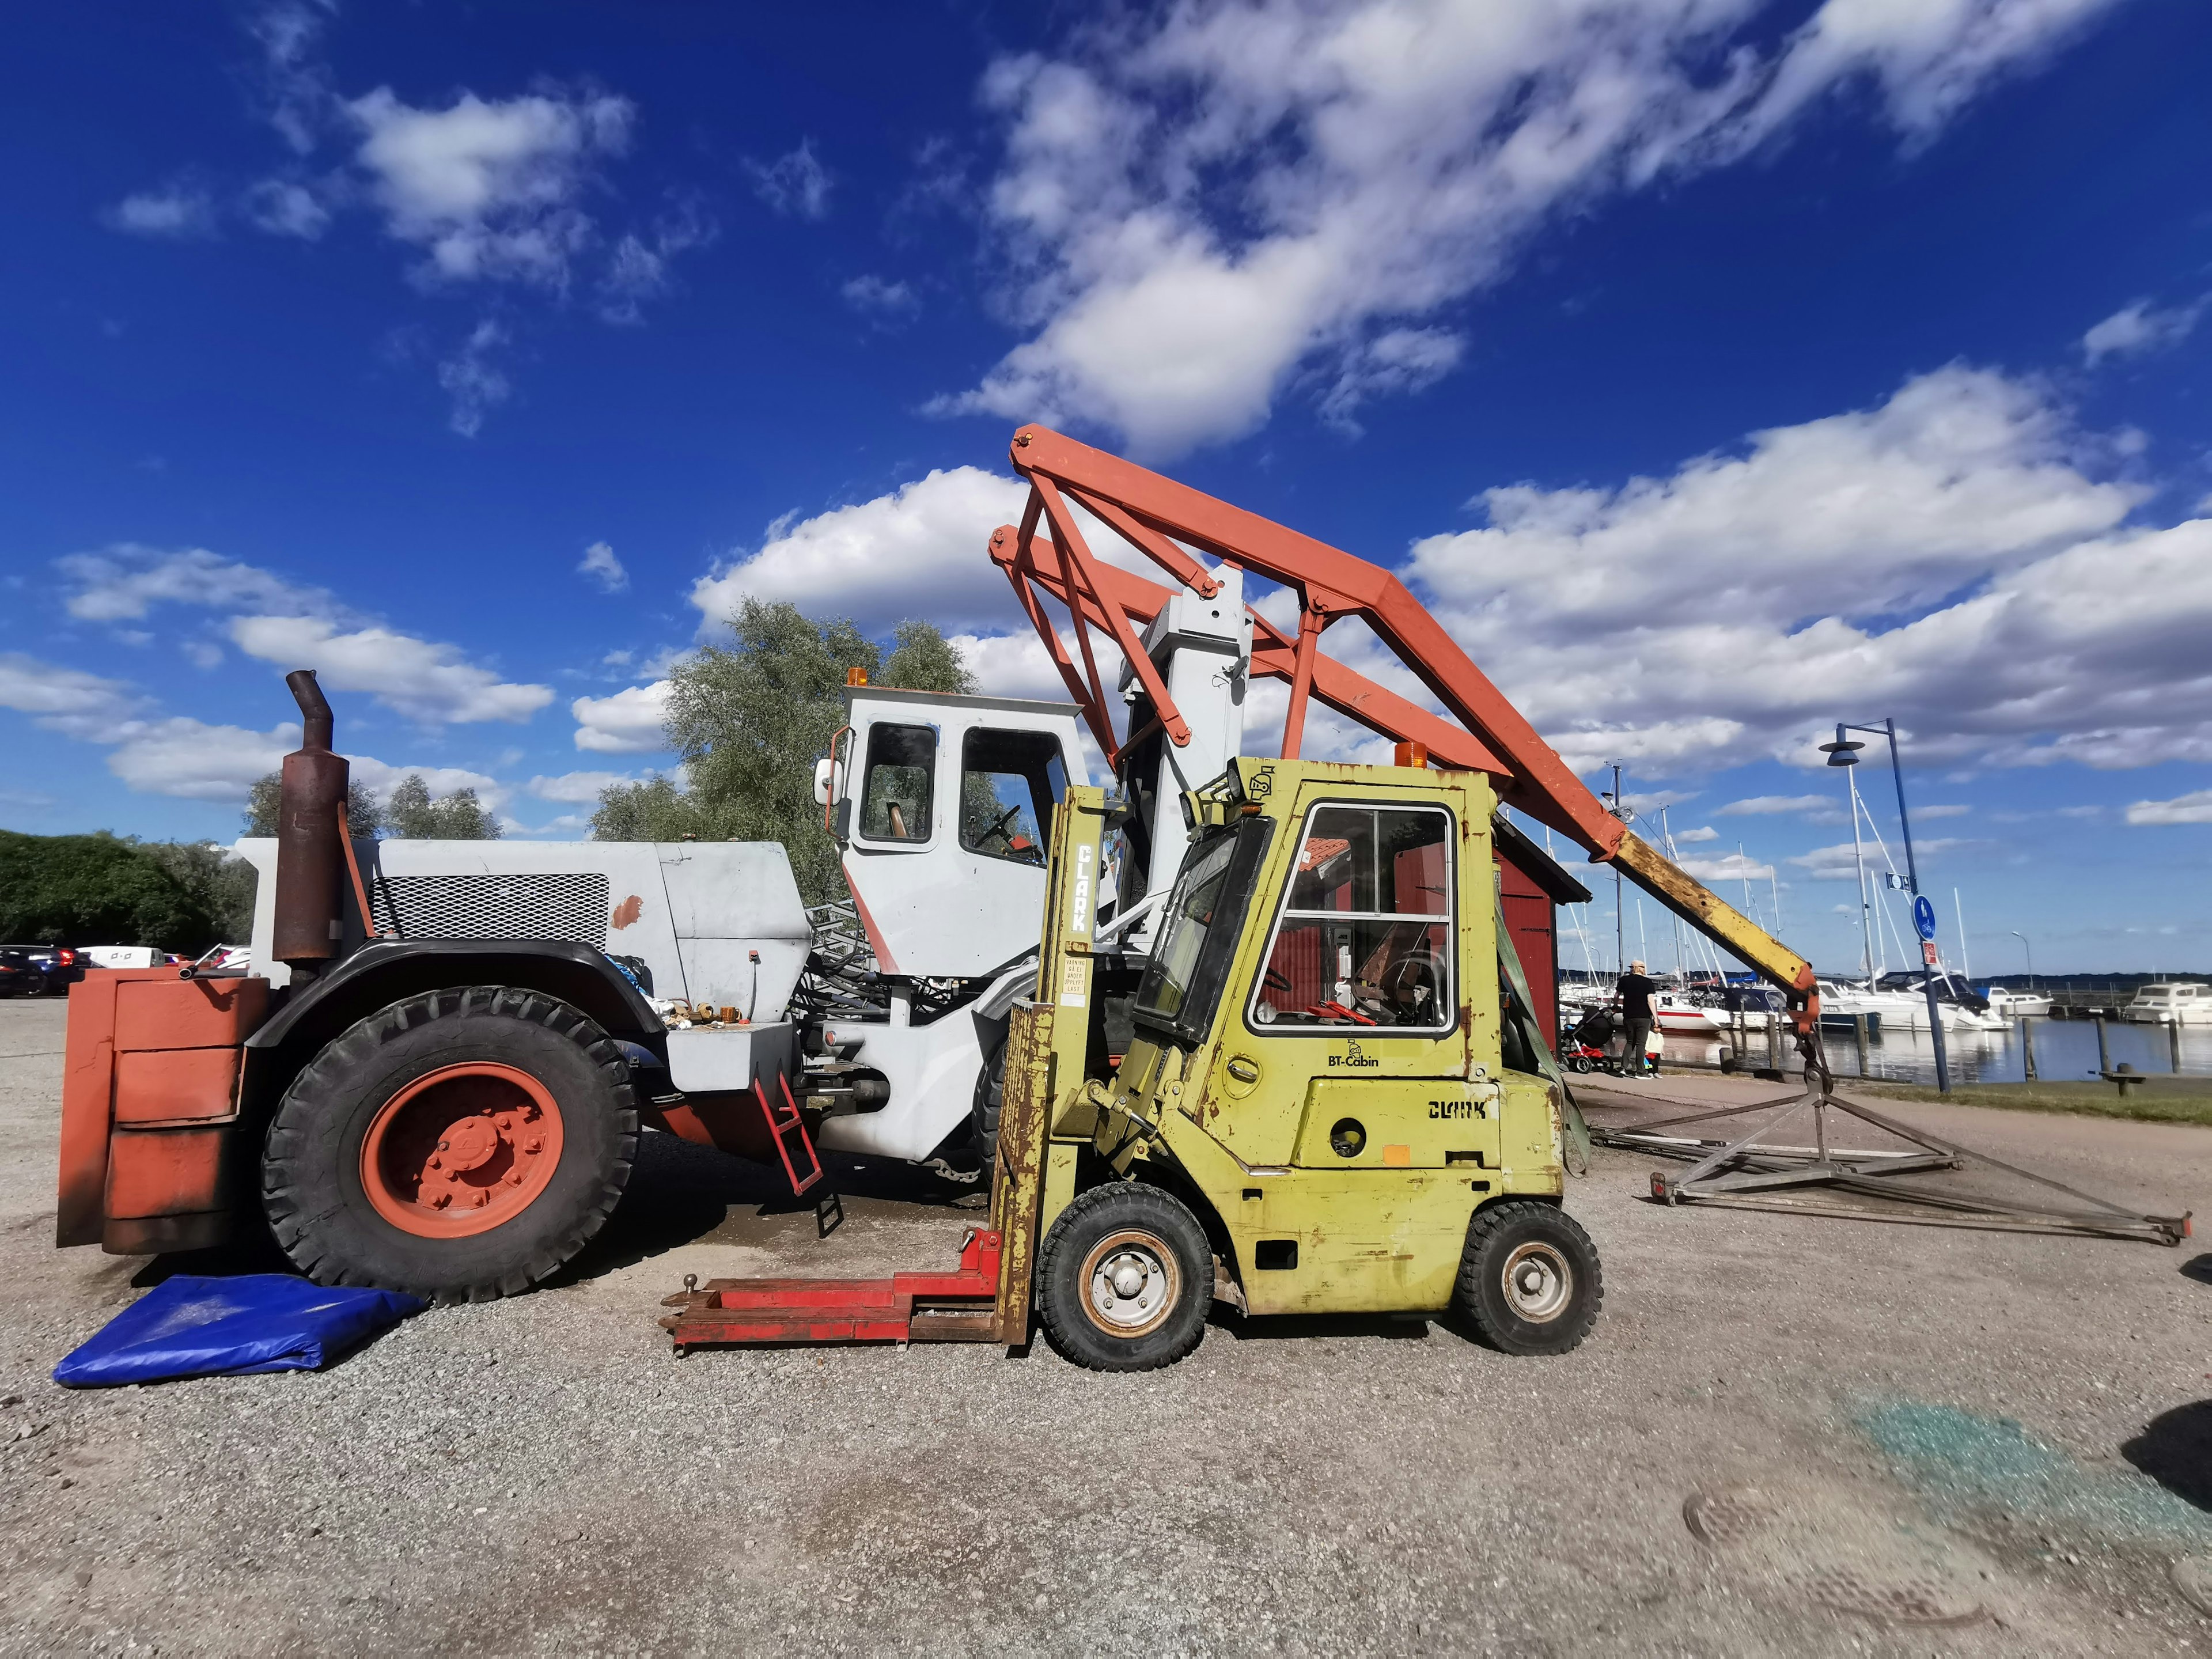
(570, 907)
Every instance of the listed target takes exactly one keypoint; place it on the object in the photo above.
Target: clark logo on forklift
(1078, 917)
(1455, 1109)
(1355, 1056)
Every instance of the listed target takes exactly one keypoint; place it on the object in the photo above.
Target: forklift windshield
(1198, 930)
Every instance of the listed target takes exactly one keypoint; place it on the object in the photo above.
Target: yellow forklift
(1335, 1101)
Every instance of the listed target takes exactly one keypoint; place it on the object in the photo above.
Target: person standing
(1635, 991)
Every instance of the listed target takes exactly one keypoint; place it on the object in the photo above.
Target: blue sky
(1718, 369)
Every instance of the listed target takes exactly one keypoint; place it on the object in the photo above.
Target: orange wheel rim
(461, 1150)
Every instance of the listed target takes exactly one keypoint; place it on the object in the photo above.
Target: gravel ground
(1945, 1424)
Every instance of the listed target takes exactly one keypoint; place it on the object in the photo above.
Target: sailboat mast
(1858, 856)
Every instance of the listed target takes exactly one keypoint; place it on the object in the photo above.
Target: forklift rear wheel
(459, 1145)
(1529, 1278)
(1128, 1278)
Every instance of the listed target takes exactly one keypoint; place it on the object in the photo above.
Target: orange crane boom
(1047, 555)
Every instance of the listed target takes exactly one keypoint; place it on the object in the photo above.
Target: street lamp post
(2030, 949)
(1844, 752)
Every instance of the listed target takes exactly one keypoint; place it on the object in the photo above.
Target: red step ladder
(782, 1124)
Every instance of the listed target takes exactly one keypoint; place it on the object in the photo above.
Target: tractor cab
(929, 793)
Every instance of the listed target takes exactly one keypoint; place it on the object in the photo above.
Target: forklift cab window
(1009, 781)
(1199, 931)
(895, 789)
(1364, 937)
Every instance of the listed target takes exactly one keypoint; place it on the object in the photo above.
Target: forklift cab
(929, 793)
(1319, 1033)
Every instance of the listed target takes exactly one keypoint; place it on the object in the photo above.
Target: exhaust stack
(310, 862)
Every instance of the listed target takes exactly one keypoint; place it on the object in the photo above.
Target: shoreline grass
(2157, 1099)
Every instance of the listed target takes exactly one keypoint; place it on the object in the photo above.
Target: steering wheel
(998, 825)
(1275, 980)
(1421, 962)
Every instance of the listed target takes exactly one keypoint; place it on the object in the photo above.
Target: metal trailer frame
(1754, 1171)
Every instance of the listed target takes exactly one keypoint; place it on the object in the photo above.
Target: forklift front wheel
(1529, 1278)
(1126, 1279)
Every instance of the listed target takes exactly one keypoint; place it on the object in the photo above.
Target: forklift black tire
(1126, 1278)
(459, 1145)
(990, 1097)
(1530, 1277)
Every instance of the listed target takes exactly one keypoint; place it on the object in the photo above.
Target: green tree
(750, 721)
(99, 889)
(362, 812)
(410, 814)
(219, 882)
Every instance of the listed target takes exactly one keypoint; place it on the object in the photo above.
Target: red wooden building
(1534, 887)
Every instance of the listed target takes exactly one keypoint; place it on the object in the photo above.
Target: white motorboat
(1907, 1011)
(2017, 1005)
(2176, 1002)
(1677, 1016)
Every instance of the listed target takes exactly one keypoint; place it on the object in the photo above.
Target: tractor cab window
(1364, 936)
(1009, 781)
(894, 789)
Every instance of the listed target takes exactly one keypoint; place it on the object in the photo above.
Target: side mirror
(822, 770)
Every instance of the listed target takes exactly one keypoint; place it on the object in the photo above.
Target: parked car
(18, 977)
(57, 967)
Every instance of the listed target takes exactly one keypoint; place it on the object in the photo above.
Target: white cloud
(426, 682)
(879, 297)
(1927, 58)
(1769, 805)
(295, 86)
(796, 183)
(1704, 832)
(1942, 811)
(122, 582)
(440, 781)
(65, 700)
(922, 550)
(2195, 807)
(1196, 201)
(1841, 861)
(286, 207)
(489, 188)
(600, 564)
(195, 761)
(1947, 557)
(638, 269)
(177, 210)
(2138, 328)
(628, 723)
(293, 626)
(474, 382)
(580, 788)
(1735, 867)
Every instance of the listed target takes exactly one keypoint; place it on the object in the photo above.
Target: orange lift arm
(1154, 513)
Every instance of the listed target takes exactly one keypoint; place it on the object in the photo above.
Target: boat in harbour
(2175, 1002)
(2016, 1005)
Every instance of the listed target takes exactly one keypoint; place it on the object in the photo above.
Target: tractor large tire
(459, 1145)
(990, 1100)
(1126, 1279)
(1530, 1277)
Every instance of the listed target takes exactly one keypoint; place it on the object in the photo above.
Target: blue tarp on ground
(188, 1327)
